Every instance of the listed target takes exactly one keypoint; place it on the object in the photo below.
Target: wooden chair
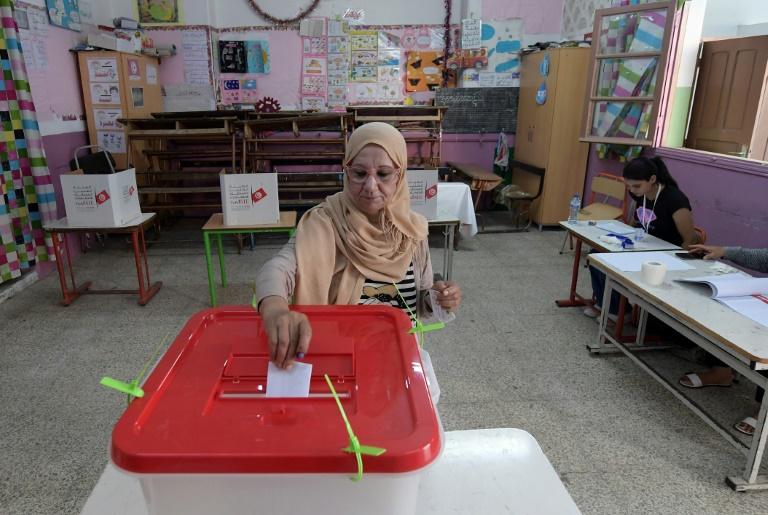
(604, 187)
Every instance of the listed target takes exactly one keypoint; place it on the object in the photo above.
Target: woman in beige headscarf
(352, 247)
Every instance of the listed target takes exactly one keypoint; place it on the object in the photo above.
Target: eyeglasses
(381, 175)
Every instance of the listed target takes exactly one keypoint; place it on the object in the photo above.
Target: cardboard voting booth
(249, 198)
(101, 200)
(423, 187)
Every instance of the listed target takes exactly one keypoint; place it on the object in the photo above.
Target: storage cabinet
(548, 134)
(117, 85)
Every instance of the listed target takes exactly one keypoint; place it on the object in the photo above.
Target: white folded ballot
(745, 295)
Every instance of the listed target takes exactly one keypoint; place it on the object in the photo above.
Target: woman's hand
(288, 331)
(709, 251)
(448, 295)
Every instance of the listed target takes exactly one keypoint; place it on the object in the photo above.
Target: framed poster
(159, 11)
(233, 57)
(64, 13)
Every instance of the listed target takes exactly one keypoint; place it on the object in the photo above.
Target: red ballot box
(206, 439)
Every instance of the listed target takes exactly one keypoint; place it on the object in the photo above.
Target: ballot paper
(289, 383)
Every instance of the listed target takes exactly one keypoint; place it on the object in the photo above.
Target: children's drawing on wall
(338, 45)
(102, 70)
(64, 13)
(364, 58)
(233, 57)
(316, 45)
(258, 56)
(230, 91)
(313, 103)
(424, 71)
(364, 40)
(107, 119)
(105, 93)
(160, 11)
(137, 97)
(248, 91)
(134, 69)
(314, 66)
(113, 141)
(502, 39)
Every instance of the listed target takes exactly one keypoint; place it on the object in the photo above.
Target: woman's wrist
(272, 303)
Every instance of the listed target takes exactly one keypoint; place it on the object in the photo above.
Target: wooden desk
(731, 337)
(479, 179)
(215, 225)
(135, 228)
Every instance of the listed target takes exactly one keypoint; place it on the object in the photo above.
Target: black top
(670, 200)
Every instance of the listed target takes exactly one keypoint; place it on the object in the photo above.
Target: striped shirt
(375, 292)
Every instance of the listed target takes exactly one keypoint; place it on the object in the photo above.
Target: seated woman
(719, 374)
(351, 248)
(663, 211)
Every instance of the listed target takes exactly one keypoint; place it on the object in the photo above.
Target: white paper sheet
(289, 383)
(615, 227)
(754, 308)
(633, 261)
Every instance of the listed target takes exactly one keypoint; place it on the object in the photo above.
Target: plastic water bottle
(575, 206)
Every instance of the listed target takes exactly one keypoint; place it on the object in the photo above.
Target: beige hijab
(337, 247)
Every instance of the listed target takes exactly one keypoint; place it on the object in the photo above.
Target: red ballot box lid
(205, 408)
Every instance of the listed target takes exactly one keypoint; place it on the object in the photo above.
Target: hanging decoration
(267, 105)
(447, 40)
(284, 21)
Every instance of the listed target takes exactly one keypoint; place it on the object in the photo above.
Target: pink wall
(539, 16)
(728, 195)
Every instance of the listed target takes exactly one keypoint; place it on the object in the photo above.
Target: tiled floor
(621, 443)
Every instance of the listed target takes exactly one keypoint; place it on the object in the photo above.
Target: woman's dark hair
(642, 168)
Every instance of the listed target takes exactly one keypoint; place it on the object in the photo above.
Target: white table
(483, 471)
(454, 209)
(589, 233)
(454, 201)
(731, 337)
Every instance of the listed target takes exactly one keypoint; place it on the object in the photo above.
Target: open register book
(745, 295)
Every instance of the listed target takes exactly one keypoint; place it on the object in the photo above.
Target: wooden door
(142, 88)
(728, 90)
(534, 120)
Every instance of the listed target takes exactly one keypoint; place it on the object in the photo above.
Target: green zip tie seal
(132, 388)
(354, 447)
(419, 329)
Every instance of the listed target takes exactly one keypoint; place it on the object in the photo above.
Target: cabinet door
(104, 101)
(534, 120)
(139, 75)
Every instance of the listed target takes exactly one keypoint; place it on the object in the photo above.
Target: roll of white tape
(654, 272)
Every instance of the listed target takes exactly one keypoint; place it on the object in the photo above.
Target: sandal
(746, 426)
(696, 382)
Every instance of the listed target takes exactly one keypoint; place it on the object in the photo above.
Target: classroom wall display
(238, 91)
(233, 57)
(502, 38)
(195, 52)
(102, 70)
(364, 45)
(64, 13)
(257, 56)
(113, 141)
(470, 33)
(107, 118)
(105, 93)
(160, 11)
(338, 65)
(424, 71)
(314, 66)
